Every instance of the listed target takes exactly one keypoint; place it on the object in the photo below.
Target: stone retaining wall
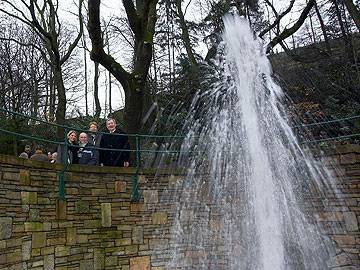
(98, 227)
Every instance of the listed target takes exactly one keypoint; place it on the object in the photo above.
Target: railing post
(135, 195)
(65, 164)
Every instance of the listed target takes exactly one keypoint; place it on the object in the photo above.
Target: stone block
(110, 261)
(38, 240)
(82, 207)
(47, 250)
(35, 252)
(34, 214)
(5, 227)
(43, 201)
(118, 214)
(71, 236)
(24, 177)
(60, 209)
(159, 218)
(351, 222)
(141, 179)
(86, 265)
(150, 196)
(99, 259)
(132, 249)
(175, 180)
(92, 224)
(26, 250)
(106, 214)
(344, 240)
(14, 256)
(99, 192)
(138, 235)
(140, 263)
(329, 216)
(61, 251)
(137, 207)
(120, 186)
(158, 244)
(123, 242)
(2, 259)
(28, 197)
(11, 176)
(33, 226)
(49, 262)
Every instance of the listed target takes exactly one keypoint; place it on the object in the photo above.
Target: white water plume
(241, 204)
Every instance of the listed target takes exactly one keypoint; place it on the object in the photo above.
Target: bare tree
(142, 20)
(44, 20)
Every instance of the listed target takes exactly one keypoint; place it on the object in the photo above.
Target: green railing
(136, 138)
(137, 143)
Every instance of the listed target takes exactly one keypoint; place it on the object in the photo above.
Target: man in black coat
(115, 139)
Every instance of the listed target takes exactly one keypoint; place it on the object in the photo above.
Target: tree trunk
(354, 12)
(142, 19)
(96, 91)
(85, 78)
(61, 97)
(323, 29)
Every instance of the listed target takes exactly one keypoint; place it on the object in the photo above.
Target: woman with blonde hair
(72, 149)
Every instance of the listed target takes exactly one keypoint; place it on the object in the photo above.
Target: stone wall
(339, 214)
(99, 227)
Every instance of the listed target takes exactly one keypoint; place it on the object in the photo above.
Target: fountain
(248, 182)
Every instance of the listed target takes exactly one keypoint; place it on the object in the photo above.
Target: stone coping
(11, 160)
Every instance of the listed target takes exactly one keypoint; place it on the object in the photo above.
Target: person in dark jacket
(93, 136)
(86, 154)
(39, 155)
(115, 139)
(71, 154)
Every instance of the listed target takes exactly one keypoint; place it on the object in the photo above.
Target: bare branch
(288, 32)
(76, 41)
(278, 17)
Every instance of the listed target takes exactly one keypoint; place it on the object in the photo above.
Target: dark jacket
(94, 139)
(116, 140)
(40, 156)
(87, 155)
(71, 154)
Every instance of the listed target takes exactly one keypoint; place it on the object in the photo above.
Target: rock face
(99, 227)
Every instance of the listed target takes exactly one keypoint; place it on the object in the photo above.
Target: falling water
(248, 181)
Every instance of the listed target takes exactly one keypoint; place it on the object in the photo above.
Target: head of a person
(24, 155)
(71, 135)
(93, 127)
(54, 156)
(111, 124)
(83, 138)
(39, 150)
(27, 149)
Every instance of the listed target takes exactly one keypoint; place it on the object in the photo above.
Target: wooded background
(159, 52)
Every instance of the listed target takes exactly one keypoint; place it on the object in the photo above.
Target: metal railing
(137, 146)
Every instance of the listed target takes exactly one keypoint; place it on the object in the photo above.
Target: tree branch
(133, 18)
(288, 32)
(97, 52)
(74, 44)
(278, 17)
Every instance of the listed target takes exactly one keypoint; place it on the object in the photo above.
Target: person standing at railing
(39, 155)
(72, 149)
(87, 155)
(115, 139)
(93, 137)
